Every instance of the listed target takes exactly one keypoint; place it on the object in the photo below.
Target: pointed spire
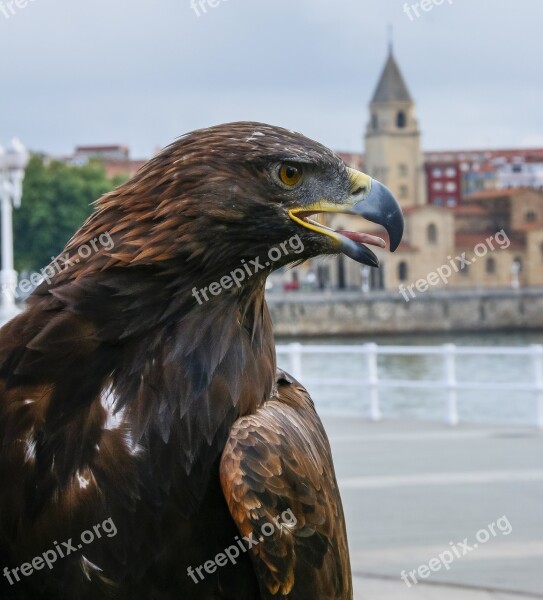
(390, 39)
(391, 86)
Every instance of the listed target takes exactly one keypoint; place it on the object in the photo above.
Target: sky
(143, 72)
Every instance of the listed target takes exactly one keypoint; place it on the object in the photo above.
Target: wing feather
(277, 470)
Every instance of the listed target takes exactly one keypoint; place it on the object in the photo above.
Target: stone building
(493, 238)
(518, 212)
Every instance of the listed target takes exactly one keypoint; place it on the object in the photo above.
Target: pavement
(458, 510)
(379, 589)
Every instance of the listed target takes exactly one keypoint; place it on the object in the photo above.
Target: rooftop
(106, 148)
(499, 194)
(470, 240)
(471, 210)
(391, 86)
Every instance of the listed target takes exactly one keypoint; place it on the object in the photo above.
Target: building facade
(468, 224)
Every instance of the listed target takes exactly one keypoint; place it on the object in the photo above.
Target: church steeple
(391, 86)
(393, 148)
(390, 39)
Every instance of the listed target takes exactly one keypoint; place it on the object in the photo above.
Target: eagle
(150, 448)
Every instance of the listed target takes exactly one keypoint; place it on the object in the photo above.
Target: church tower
(393, 144)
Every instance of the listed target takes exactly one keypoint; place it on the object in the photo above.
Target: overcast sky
(142, 72)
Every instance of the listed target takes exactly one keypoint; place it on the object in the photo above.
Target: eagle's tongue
(363, 238)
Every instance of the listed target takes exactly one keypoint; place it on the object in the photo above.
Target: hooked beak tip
(382, 208)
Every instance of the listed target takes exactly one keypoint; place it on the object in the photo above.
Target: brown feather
(278, 460)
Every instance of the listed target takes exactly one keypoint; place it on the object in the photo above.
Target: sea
(488, 407)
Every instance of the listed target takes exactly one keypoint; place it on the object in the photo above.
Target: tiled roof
(495, 194)
(109, 148)
(470, 210)
(409, 210)
(470, 240)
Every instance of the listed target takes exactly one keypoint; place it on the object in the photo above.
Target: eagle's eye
(289, 174)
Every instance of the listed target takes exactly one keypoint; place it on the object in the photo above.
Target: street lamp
(12, 170)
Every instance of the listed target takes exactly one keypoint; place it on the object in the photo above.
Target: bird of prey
(149, 447)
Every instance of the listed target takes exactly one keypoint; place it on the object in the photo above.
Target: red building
(444, 183)
(453, 174)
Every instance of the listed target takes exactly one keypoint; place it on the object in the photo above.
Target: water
(485, 407)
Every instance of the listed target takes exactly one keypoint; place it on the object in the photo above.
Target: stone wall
(351, 313)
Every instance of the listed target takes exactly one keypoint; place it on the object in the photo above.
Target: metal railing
(449, 353)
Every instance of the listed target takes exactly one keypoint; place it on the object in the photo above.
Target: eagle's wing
(277, 474)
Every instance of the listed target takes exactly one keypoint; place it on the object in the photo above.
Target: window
(490, 266)
(403, 271)
(517, 169)
(438, 201)
(451, 186)
(404, 191)
(404, 171)
(431, 233)
(401, 121)
(451, 202)
(450, 172)
(531, 216)
(438, 186)
(437, 173)
(374, 122)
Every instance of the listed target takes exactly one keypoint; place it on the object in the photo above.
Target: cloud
(142, 72)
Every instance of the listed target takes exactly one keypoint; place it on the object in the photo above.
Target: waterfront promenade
(410, 489)
(302, 314)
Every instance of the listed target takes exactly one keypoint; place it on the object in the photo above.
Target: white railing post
(451, 384)
(296, 361)
(373, 381)
(448, 383)
(537, 357)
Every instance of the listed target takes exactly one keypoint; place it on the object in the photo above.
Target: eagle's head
(219, 197)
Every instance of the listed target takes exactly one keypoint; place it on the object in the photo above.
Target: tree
(56, 201)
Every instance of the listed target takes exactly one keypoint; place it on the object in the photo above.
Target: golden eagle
(149, 447)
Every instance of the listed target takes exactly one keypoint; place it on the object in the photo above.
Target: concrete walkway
(459, 510)
(379, 589)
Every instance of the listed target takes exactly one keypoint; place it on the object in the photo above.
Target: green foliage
(56, 201)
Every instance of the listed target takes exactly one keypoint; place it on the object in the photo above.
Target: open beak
(369, 199)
